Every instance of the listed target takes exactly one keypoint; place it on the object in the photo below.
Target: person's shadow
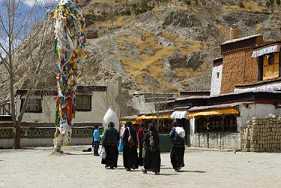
(191, 171)
(68, 153)
(194, 171)
(166, 174)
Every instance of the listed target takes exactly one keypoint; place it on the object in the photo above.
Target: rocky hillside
(168, 46)
(160, 45)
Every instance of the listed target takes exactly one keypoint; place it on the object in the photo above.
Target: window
(216, 124)
(218, 74)
(34, 105)
(270, 59)
(271, 66)
(83, 102)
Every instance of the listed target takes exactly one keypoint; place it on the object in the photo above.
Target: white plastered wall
(248, 111)
(99, 107)
(216, 80)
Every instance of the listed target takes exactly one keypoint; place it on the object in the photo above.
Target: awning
(214, 112)
(152, 117)
(129, 118)
(143, 117)
(179, 115)
(266, 50)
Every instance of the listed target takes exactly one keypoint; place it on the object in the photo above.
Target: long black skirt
(130, 157)
(111, 157)
(152, 160)
(177, 157)
(140, 158)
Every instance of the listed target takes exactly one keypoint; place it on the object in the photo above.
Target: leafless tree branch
(35, 80)
(24, 21)
(3, 25)
(11, 51)
(4, 49)
(5, 63)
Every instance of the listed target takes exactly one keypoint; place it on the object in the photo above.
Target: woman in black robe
(177, 135)
(152, 159)
(110, 144)
(130, 153)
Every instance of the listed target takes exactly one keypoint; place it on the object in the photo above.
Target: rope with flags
(69, 30)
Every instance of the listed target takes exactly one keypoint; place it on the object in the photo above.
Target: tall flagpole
(69, 25)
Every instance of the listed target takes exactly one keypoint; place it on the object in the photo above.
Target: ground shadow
(122, 168)
(67, 153)
(166, 168)
(166, 174)
(194, 171)
(183, 171)
(149, 173)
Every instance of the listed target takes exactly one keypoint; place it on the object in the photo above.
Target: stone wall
(262, 135)
(43, 136)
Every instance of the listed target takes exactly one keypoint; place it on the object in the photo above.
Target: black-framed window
(216, 124)
(270, 59)
(34, 105)
(84, 103)
(260, 68)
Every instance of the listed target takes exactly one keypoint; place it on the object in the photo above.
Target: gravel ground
(36, 168)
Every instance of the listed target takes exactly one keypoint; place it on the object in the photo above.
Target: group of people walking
(146, 140)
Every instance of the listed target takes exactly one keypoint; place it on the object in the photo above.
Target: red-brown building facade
(238, 65)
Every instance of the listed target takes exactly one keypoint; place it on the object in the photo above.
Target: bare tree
(11, 41)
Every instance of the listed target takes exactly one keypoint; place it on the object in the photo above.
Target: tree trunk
(17, 135)
(11, 19)
(13, 108)
(58, 141)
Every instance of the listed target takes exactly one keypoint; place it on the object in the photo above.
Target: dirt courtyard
(36, 168)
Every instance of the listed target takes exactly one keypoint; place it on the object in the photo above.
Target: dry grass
(114, 23)
(186, 73)
(224, 30)
(250, 6)
(108, 1)
(259, 28)
(184, 46)
(152, 64)
(151, 54)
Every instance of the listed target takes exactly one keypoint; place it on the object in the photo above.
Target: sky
(33, 2)
(28, 13)
(42, 2)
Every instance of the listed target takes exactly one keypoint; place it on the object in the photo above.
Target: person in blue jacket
(96, 140)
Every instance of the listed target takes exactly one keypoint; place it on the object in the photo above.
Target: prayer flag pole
(69, 26)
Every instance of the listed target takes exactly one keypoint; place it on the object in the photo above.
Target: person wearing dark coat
(130, 154)
(152, 159)
(110, 144)
(177, 136)
(140, 134)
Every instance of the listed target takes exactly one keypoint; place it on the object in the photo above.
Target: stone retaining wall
(262, 135)
(43, 136)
